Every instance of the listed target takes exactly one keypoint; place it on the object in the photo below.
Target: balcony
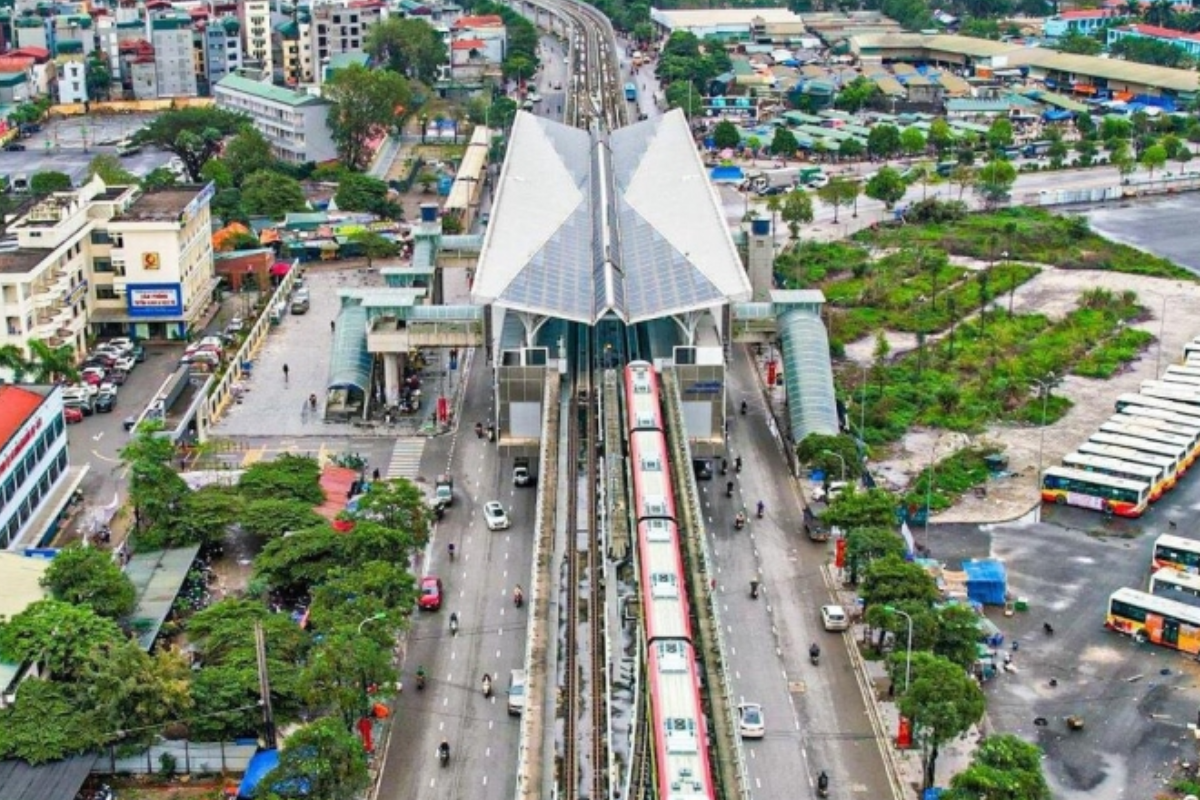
(45, 297)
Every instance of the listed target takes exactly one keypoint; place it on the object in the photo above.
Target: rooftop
(485, 21)
(20, 576)
(266, 91)
(17, 403)
(161, 205)
(687, 18)
(1086, 13)
(1160, 32)
(15, 262)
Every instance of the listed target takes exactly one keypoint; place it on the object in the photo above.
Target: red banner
(364, 729)
(904, 734)
(839, 558)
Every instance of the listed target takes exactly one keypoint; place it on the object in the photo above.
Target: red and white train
(679, 727)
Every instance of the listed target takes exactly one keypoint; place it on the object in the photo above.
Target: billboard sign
(155, 300)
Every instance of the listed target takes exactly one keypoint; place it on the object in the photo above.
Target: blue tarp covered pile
(987, 581)
(263, 762)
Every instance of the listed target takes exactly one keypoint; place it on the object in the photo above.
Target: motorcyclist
(737, 464)
(814, 652)
(744, 407)
(519, 596)
(739, 521)
(454, 621)
(724, 466)
(444, 751)
(762, 507)
(487, 685)
(450, 547)
(729, 489)
(420, 677)
(823, 783)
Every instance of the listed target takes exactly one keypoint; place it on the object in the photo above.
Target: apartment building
(1080, 21)
(486, 35)
(71, 80)
(339, 28)
(1188, 42)
(220, 44)
(255, 16)
(295, 123)
(174, 64)
(109, 261)
(35, 479)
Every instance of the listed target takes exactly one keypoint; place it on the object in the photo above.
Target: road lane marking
(98, 436)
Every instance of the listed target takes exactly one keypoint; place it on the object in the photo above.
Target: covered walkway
(349, 379)
(807, 373)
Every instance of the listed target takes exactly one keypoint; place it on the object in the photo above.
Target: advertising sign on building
(155, 300)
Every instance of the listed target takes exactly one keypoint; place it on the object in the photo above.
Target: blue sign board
(154, 300)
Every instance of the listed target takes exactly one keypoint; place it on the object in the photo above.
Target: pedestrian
(892, 690)
(332, 325)
(285, 373)
(375, 474)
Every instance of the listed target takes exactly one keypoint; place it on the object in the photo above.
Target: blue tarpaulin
(726, 175)
(987, 581)
(263, 762)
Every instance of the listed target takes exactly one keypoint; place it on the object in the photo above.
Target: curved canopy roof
(350, 365)
(584, 226)
(808, 375)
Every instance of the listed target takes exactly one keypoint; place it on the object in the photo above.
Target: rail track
(594, 95)
(584, 768)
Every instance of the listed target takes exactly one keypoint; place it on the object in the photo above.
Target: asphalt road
(1164, 226)
(478, 585)
(815, 716)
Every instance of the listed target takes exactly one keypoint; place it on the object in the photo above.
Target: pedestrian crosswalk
(406, 458)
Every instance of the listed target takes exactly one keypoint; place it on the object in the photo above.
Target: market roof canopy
(350, 365)
(586, 225)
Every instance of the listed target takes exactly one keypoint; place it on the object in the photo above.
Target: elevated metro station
(619, 234)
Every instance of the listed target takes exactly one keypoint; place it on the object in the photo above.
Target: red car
(431, 593)
(72, 415)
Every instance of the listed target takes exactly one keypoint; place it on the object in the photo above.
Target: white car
(818, 182)
(125, 364)
(750, 721)
(495, 516)
(834, 618)
(235, 325)
(835, 489)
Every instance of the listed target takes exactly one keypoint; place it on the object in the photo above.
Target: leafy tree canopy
(943, 702)
(358, 192)
(347, 597)
(873, 508)
(43, 183)
(857, 94)
(245, 154)
(288, 476)
(89, 576)
(726, 135)
(366, 103)
(408, 46)
(325, 757)
(797, 211)
(883, 141)
(110, 170)
(48, 723)
(269, 517)
(194, 134)
(59, 636)
(269, 194)
(1003, 767)
(887, 186)
(783, 143)
(891, 580)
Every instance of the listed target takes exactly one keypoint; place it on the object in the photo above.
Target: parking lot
(69, 145)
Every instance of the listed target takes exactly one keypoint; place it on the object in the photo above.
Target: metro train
(680, 729)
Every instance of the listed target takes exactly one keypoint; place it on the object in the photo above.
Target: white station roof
(584, 225)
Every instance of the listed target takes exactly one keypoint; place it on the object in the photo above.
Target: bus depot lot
(1135, 718)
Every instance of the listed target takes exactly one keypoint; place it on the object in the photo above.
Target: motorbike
(737, 465)
(1048, 628)
(518, 598)
(729, 489)
(753, 590)
(822, 785)
(454, 624)
(451, 549)
(814, 655)
(487, 686)
(478, 430)
(762, 509)
(420, 681)
(724, 466)
(739, 522)
(744, 407)
(444, 754)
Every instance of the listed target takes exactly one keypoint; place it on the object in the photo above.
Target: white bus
(1176, 426)
(1156, 477)
(1192, 348)
(1191, 368)
(1175, 552)
(1144, 432)
(1139, 401)
(1177, 453)
(1076, 487)
(1176, 392)
(1165, 463)
(1168, 582)
(1173, 376)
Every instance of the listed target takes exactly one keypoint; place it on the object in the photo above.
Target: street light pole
(1044, 387)
(1162, 325)
(908, 652)
(929, 489)
(862, 424)
(366, 697)
(840, 458)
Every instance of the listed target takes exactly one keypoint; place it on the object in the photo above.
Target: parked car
(14, 147)
(72, 415)
(118, 376)
(750, 721)
(139, 353)
(516, 692)
(236, 325)
(105, 402)
(83, 403)
(834, 618)
(93, 375)
(125, 364)
(431, 593)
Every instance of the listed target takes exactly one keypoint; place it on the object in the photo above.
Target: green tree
(891, 580)
(1154, 158)
(851, 149)
(955, 634)
(48, 723)
(289, 476)
(995, 180)
(340, 669)
(1003, 767)
(43, 183)
(226, 206)
(271, 517)
(270, 194)
(408, 46)
(156, 491)
(682, 94)
(1087, 152)
(357, 192)
(50, 364)
(864, 545)
(1000, 134)
(726, 135)
(293, 565)
(1079, 44)
(207, 515)
(159, 178)
(397, 505)
(839, 192)
(374, 245)
(13, 361)
(131, 691)
(872, 508)
(97, 76)
(194, 134)
(217, 172)
(883, 141)
(1152, 51)
(348, 596)
(110, 170)
(797, 211)
(980, 28)
(89, 576)
(247, 153)
(326, 758)
(887, 187)
(943, 702)
(912, 142)
(365, 103)
(1057, 153)
(783, 143)
(57, 636)
(814, 451)
(857, 94)
(941, 137)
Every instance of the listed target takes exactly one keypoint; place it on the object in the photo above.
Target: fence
(190, 758)
(129, 106)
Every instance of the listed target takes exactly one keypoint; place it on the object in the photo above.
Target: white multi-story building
(72, 79)
(174, 63)
(295, 123)
(255, 16)
(33, 463)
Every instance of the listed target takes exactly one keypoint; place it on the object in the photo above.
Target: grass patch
(1109, 357)
(1026, 234)
(809, 263)
(984, 370)
(952, 478)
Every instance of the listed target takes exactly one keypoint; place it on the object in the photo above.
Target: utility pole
(264, 687)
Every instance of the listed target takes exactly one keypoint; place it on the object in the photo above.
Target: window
(106, 293)
(101, 237)
(102, 265)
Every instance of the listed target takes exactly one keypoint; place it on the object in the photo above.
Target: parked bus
(1176, 453)
(1140, 401)
(1192, 348)
(1175, 552)
(1171, 583)
(1154, 435)
(1165, 463)
(1191, 369)
(1175, 375)
(631, 91)
(1156, 477)
(1175, 425)
(1154, 619)
(1176, 393)
(1075, 487)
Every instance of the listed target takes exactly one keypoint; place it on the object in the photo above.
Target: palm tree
(12, 358)
(51, 363)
